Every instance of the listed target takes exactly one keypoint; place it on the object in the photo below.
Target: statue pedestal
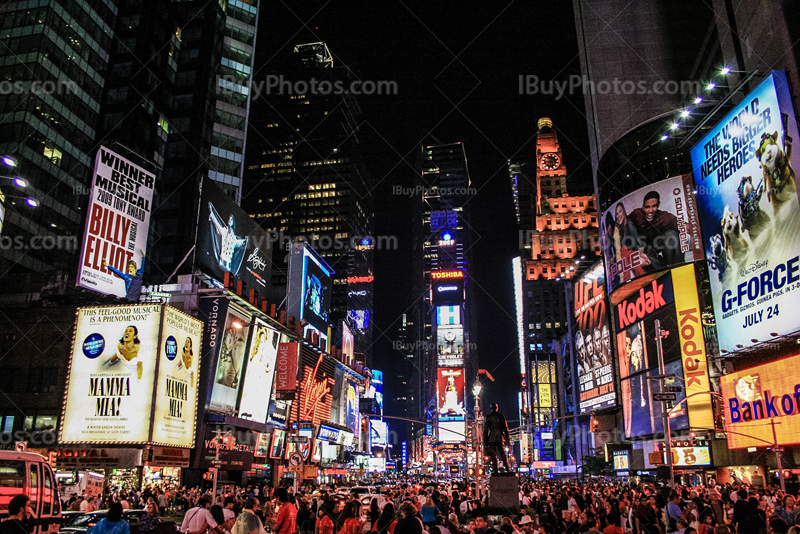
(504, 491)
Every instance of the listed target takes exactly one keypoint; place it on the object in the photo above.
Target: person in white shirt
(86, 505)
(198, 519)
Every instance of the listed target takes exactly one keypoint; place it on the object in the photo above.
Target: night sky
(457, 67)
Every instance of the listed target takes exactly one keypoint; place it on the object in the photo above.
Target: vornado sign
(642, 304)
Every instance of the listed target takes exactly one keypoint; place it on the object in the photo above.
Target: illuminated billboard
(621, 460)
(348, 341)
(452, 431)
(176, 386)
(229, 241)
(448, 291)
(117, 224)
(649, 230)
(754, 397)
(450, 345)
(377, 384)
(690, 456)
(228, 374)
(112, 369)
(592, 341)
(378, 433)
(121, 357)
(308, 291)
(749, 210)
(448, 315)
(450, 391)
(741, 475)
(259, 372)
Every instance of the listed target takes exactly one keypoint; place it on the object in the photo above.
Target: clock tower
(551, 173)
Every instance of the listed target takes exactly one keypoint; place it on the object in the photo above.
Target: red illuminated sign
(629, 311)
(444, 275)
(313, 393)
(286, 371)
(360, 279)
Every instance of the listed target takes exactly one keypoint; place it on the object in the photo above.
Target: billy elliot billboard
(593, 342)
(754, 397)
(117, 221)
(229, 241)
(120, 354)
(672, 299)
(750, 214)
(649, 230)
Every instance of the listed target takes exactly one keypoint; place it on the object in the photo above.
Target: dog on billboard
(778, 172)
(718, 259)
(736, 243)
(754, 219)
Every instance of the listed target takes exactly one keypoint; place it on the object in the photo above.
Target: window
(12, 474)
(34, 487)
(53, 155)
(8, 424)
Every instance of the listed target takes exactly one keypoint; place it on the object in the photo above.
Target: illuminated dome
(545, 122)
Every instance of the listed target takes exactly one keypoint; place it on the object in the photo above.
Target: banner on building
(116, 364)
(117, 223)
(649, 230)
(228, 376)
(745, 170)
(229, 241)
(450, 388)
(259, 373)
(592, 340)
(755, 397)
(176, 387)
(112, 370)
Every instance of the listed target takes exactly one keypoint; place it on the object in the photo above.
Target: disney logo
(753, 267)
(257, 261)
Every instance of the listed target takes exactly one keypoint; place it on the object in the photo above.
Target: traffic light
(471, 471)
(594, 424)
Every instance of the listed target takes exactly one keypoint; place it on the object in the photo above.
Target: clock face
(550, 161)
(450, 336)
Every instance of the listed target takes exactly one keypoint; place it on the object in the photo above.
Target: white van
(28, 473)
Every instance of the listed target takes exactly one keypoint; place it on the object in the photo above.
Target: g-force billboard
(750, 213)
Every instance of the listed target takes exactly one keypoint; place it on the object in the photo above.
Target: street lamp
(10, 161)
(219, 434)
(476, 392)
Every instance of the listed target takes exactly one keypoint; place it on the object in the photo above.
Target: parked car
(366, 500)
(83, 521)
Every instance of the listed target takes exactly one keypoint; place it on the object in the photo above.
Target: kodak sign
(693, 349)
(640, 305)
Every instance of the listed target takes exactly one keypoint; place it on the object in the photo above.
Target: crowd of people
(545, 507)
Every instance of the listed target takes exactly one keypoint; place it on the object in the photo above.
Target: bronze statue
(495, 429)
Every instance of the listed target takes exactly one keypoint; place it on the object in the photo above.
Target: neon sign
(444, 275)
(313, 392)
(360, 279)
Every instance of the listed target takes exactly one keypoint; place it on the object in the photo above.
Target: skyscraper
(562, 235)
(306, 179)
(444, 314)
(54, 57)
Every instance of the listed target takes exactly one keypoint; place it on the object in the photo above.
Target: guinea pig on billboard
(111, 374)
(651, 229)
(750, 213)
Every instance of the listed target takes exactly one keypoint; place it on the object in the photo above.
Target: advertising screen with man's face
(650, 230)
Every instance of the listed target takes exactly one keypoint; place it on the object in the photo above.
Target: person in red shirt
(286, 520)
